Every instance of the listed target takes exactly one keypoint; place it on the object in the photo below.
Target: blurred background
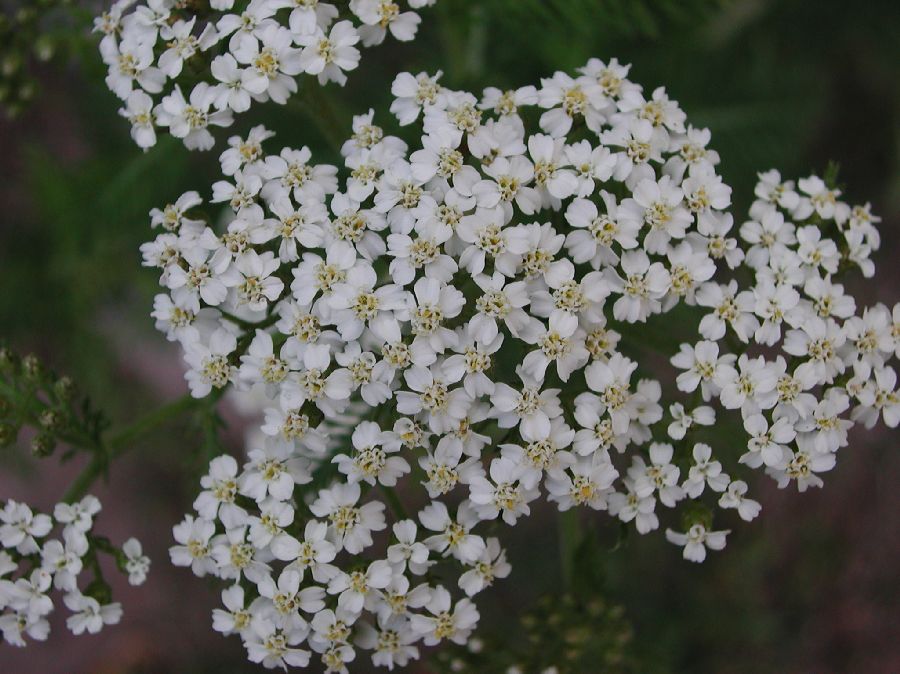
(812, 586)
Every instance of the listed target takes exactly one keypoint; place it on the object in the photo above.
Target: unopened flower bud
(64, 388)
(43, 444)
(7, 359)
(25, 15)
(99, 590)
(44, 48)
(11, 64)
(31, 367)
(8, 434)
(51, 420)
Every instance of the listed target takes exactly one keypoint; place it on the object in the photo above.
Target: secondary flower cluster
(32, 564)
(231, 55)
(471, 304)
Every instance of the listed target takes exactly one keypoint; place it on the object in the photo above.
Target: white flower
(611, 380)
(327, 56)
(750, 386)
(770, 188)
(816, 252)
(380, 16)
(596, 233)
(412, 93)
(21, 527)
(590, 164)
(234, 617)
(490, 566)
(703, 366)
(734, 497)
(444, 407)
(500, 301)
(88, 615)
(130, 64)
(769, 236)
(314, 552)
(272, 647)
(64, 559)
(775, 304)
(683, 420)
(562, 344)
(137, 564)
(825, 429)
(587, 482)
(768, 445)
(445, 468)
(804, 464)
(358, 303)
(193, 536)
(436, 282)
(632, 507)
(281, 602)
(351, 526)
(391, 643)
(15, 625)
(273, 470)
(703, 472)
(642, 285)
(824, 200)
(453, 535)
(317, 382)
(657, 207)
(880, 397)
(660, 476)
(236, 557)
(568, 99)
(529, 408)
(271, 64)
(503, 494)
(408, 551)
(355, 588)
(730, 309)
(29, 594)
(372, 461)
(182, 45)
(139, 111)
(447, 621)
(696, 541)
(688, 269)
(189, 119)
(274, 517)
(79, 515)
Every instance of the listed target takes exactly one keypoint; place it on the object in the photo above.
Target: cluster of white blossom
(231, 54)
(33, 564)
(466, 299)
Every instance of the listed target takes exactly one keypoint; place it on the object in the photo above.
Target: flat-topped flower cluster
(185, 69)
(33, 563)
(471, 302)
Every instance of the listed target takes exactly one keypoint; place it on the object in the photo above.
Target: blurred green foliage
(781, 83)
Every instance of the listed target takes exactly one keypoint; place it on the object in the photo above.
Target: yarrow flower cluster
(471, 302)
(33, 564)
(232, 54)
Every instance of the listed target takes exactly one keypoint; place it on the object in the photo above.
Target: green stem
(124, 440)
(249, 325)
(321, 109)
(395, 503)
(569, 528)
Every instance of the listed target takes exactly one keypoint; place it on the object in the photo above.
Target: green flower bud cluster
(565, 634)
(33, 396)
(28, 34)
